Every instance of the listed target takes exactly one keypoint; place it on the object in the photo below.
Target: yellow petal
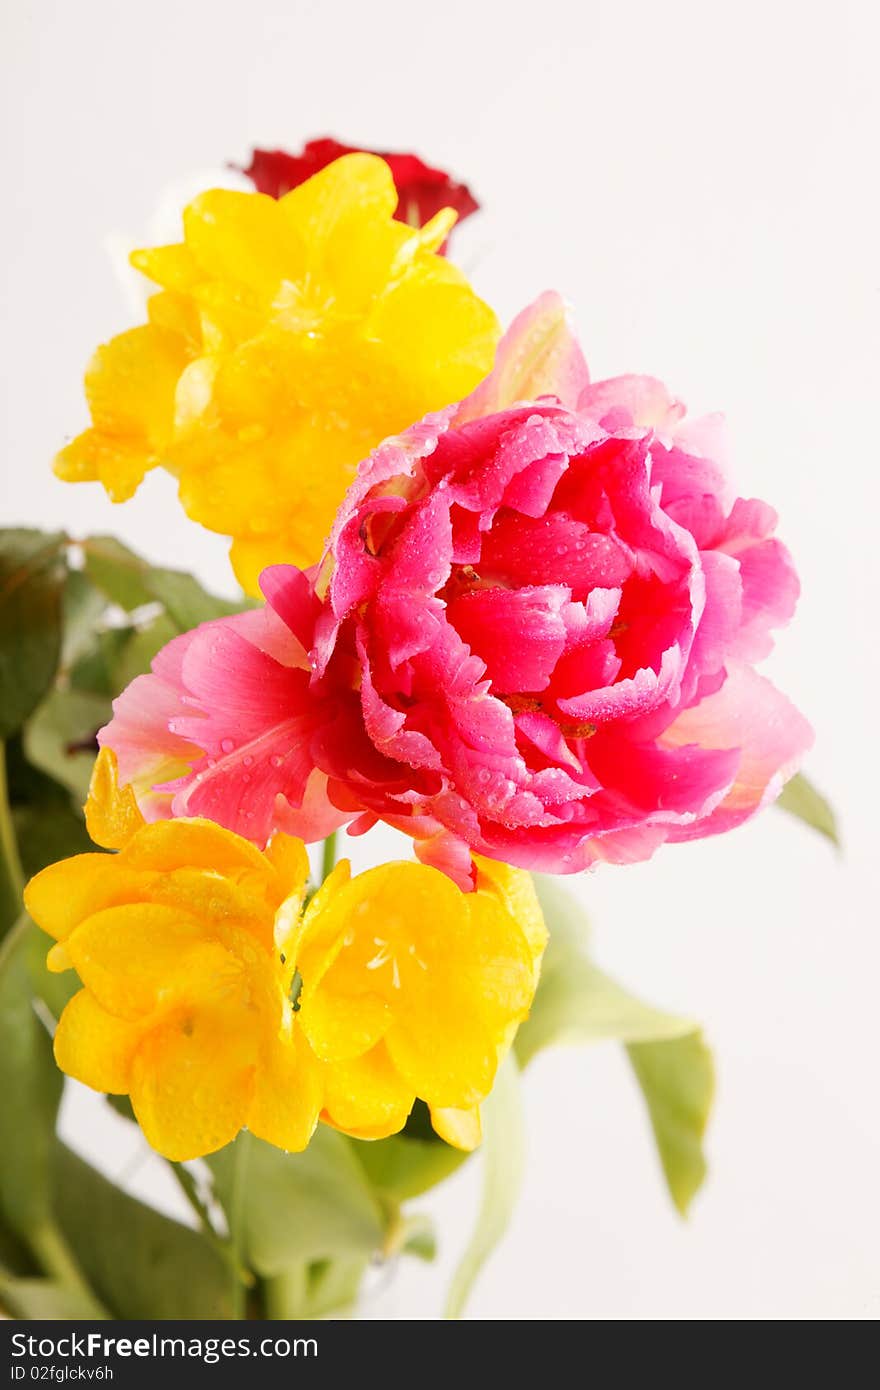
(314, 924)
(112, 814)
(58, 960)
(451, 1064)
(130, 383)
(357, 186)
(60, 896)
(135, 956)
(435, 232)
(462, 1129)
(249, 558)
(192, 1081)
(342, 1026)
(95, 1047)
(242, 237)
(287, 341)
(516, 889)
(120, 463)
(366, 1097)
(177, 313)
(246, 902)
(288, 1093)
(289, 858)
(192, 844)
(172, 267)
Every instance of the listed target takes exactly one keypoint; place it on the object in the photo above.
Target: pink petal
(519, 633)
(751, 715)
(642, 402)
(538, 356)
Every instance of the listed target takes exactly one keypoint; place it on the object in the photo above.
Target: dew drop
(226, 745)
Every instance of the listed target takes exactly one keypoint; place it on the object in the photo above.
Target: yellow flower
(287, 340)
(186, 1005)
(413, 988)
(214, 1000)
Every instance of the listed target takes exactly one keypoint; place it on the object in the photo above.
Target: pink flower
(532, 636)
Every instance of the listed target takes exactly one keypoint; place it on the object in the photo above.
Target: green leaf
(576, 1002)
(32, 575)
(96, 670)
(802, 800)
(30, 1086)
(409, 1163)
(53, 990)
(120, 574)
(48, 833)
(60, 738)
(48, 826)
(46, 1300)
(503, 1152)
(404, 1167)
(418, 1237)
(83, 611)
(677, 1078)
(133, 657)
(333, 1286)
(16, 1260)
(288, 1209)
(324, 1288)
(140, 1264)
(186, 602)
(130, 581)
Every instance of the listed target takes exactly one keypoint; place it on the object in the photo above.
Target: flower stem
(224, 1247)
(187, 1183)
(11, 873)
(234, 1216)
(329, 860)
(56, 1259)
(285, 1295)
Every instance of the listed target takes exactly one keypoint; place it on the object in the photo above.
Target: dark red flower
(423, 191)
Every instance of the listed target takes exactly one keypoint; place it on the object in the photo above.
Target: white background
(700, 181)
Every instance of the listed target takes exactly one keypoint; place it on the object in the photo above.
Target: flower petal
(366, 1096)
(192, 1081)
(95, 1047)
(749, 714)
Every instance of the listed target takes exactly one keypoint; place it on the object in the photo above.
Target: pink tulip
(532, 636)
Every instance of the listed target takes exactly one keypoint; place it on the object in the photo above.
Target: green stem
(11, 872)
(329, 860)
(224, 1248)
(187, 1183)
(285, 1296)
(56, 1259)
(236, 1224)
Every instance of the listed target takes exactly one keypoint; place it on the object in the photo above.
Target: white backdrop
(700, 180)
